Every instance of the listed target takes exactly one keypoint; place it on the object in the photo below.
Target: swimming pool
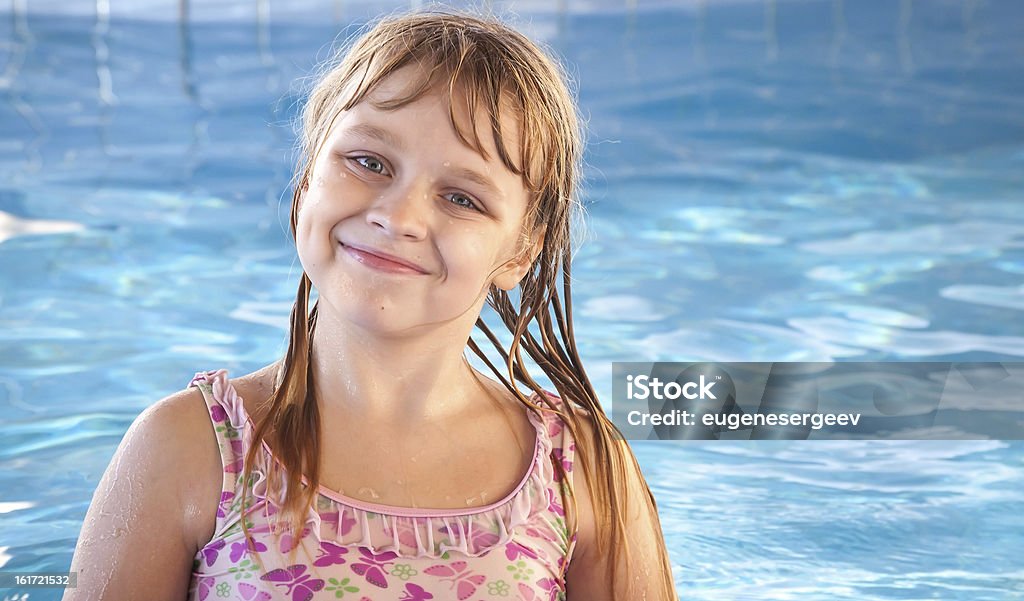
(767, 181)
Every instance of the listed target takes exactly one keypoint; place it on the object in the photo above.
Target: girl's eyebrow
(481, 180)
(369, 130)
(372, 131)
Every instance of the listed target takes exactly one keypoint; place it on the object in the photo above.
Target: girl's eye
(469, 202)
(370, 162)
(375, 165)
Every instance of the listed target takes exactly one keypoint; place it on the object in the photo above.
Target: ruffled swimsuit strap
(225, 408)
(562, 450)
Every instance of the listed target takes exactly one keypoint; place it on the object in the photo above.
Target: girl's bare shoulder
(183, 419)
(187, 418)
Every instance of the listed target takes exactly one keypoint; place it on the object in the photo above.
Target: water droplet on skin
(366, 490)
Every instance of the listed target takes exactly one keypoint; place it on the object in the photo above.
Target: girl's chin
(394, 319)
(381, 315)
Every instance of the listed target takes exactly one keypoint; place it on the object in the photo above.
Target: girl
(439, 170)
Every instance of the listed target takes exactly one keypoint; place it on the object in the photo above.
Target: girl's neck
(402, 381)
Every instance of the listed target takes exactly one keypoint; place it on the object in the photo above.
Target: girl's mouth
(380, 261)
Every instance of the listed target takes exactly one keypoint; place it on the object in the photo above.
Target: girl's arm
(137, 541)
(587, 576)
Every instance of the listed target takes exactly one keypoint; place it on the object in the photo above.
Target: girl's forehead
(408, 80)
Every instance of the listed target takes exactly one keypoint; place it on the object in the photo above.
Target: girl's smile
(381, 261)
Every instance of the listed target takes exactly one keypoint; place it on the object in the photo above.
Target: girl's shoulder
(585, 439)
(177, 428)
(148, 480)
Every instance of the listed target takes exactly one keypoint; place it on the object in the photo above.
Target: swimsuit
(517, 548)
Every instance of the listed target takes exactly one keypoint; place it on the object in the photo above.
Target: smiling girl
(440, 170)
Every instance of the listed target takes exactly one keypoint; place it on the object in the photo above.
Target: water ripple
(996, 296)
(909, 343)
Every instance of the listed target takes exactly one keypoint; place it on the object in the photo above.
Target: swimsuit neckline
(540, 430)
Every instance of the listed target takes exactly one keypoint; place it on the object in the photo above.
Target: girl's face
(400, 183)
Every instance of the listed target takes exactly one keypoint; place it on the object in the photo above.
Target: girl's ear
(515, 270)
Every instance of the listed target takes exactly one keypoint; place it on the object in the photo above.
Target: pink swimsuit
(515, 549)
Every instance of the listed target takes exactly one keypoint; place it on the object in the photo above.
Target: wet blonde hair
(495, 68)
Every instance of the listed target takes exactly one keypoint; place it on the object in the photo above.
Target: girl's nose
(402, 210)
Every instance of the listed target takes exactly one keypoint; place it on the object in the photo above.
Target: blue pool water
(767, 181)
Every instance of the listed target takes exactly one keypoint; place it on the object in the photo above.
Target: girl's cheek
(481, 250)
(310, 200)
(302, 223)
(336, 168)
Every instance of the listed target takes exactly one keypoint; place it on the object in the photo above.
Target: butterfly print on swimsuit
(373, 567)
(205, 584)
(287, 542)
(251, 593)
(526, 593)
(548, 584)
(514, 550)
(218, 414)
(558, 456)
(210, 552)
(240, 549)
(236, 464)
(224, 506)
(415, 592)
(463, 581)
(299, 585)
(553, 504)
(331, 554)
(342, 520)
